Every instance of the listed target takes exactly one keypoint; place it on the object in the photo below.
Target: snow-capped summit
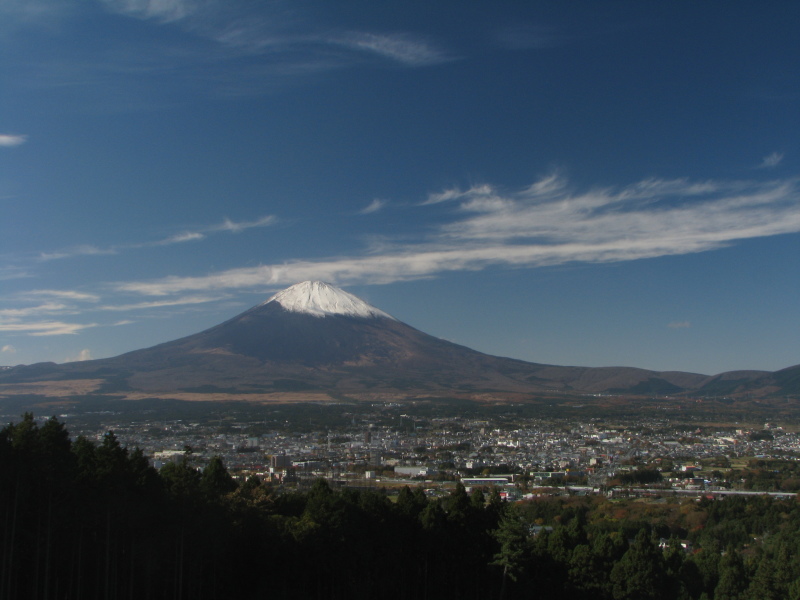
(321, 299)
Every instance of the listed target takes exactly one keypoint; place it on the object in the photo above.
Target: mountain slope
(313, 336)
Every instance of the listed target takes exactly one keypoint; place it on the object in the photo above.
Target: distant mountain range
(313, 339)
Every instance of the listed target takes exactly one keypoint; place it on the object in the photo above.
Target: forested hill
(90, 521)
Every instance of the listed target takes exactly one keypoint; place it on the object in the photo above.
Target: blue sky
(573, 183)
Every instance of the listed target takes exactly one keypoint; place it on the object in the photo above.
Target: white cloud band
(545, 224)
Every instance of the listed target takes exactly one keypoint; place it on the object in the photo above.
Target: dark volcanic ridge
(315, 337)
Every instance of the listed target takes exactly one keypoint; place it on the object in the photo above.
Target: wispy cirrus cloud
(399, 47)
(41, 319)
(274, 28)
(239, 226)
(72, 252)
(375, 206)
(547, 223)
(45, 318)
(217, 47)
(180, 238)
(161, 303)
(36, 316)
(652, 217)
(65, 294)
(278, 28)
(226, 226)
(771, 161)
(45, 328)
(8, 140)
(455, 194)
(162, 10)
(679, 325)
(201, 233)
(9, 272)
(47, 308)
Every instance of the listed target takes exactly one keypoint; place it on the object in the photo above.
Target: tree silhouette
(640, 574)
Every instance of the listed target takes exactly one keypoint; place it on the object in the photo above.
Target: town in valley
(389, 445)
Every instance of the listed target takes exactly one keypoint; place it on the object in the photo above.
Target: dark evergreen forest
(80, 520)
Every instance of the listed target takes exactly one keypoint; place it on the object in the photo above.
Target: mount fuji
(314, 339)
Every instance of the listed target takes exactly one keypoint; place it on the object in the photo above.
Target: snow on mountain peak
(321, 299)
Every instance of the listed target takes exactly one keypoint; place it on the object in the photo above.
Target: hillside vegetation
(85, 520)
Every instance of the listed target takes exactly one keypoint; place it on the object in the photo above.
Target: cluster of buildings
(373, 450)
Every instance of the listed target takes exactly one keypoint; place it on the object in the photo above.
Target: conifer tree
(215, 480)
(512, 534)
(732, 577)
(640, 574)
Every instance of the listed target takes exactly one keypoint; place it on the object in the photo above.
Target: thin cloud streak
(545, 224)
(373, 207)
(9, 140)
(283, 31)
(225, 48)
(227, 226)
(65, 294)
(17, 313)
(17, 320)
(455, 194)
(9, 272)
(771, 161)
(164, 11)
(179, 238)
(236, 227)
(82, 250)
(46, 328)
(401, 48)
(162, 303)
